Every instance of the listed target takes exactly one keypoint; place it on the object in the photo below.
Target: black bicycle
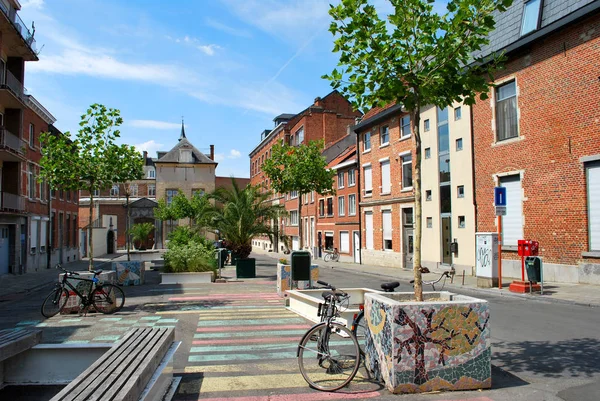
(328, 354)
(104, 298)
(359, 323)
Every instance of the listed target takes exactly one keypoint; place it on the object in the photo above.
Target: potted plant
(243, 213)
(189, 258)
(140, 233)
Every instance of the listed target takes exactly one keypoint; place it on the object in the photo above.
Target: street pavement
(239, 342)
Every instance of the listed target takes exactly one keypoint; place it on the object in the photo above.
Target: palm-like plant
(141, 232)
(244, 214)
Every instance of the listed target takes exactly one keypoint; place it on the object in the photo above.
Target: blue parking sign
(499, 196)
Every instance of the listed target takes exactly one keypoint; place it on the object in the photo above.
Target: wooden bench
(126, 371)
(13, 342)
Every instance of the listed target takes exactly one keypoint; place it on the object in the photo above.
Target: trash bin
(300, 265)
(245, 268)
(533, 265)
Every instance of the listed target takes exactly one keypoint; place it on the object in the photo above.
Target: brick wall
(558, 98)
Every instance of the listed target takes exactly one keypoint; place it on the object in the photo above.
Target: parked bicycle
(328, 354)
(331, 255)
(445, 275)
(105, 298)
(359, 323)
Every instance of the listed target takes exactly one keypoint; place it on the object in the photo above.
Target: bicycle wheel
(328, 357)
(327, 257)
(108, 298)
(54, 302)
(360, 331)
(335, 257)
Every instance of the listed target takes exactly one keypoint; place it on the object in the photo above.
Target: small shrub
(283, 261)
(183, 235)
(190, 257)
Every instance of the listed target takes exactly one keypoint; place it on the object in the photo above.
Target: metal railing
(14, 85)
(12, 201)
(19, 26)
(11, 141)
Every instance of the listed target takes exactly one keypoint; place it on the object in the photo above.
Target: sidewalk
(12, 284)
(578, 294)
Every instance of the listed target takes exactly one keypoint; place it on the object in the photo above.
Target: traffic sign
(500, 210)
(499, 196)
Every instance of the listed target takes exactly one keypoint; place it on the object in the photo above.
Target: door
(312, 236)
(408, 240)
(4, 253)
(356, 247)
(446, 239)
(60, 238)
(320, 244)
(110, 242)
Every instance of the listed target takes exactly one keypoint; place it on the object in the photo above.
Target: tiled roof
(376, 110)
(173, 155)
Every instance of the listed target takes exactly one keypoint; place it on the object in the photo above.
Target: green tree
(90, 161)
(242, 215)
(414, 57)
(299, 168)
(197, 208)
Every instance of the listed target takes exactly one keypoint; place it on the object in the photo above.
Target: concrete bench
(135, 368)
(13, 342)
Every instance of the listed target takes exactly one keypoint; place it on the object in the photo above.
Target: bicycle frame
(86, 298)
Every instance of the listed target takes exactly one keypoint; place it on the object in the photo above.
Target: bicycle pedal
(314, 337)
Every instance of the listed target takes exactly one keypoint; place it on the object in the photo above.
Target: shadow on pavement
(503, 379)
(575, 358)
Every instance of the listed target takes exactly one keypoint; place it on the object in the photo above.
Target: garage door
(512, 223)
(593, 179)
(344, 242)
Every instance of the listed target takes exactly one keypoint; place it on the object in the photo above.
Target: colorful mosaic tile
(129, 273)
(284, 278)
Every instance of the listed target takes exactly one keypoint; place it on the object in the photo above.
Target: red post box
(526, 248)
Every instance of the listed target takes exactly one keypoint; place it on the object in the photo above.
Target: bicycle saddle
(389, 287)
(96, 272)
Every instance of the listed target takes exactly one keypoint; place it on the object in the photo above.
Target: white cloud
(227, 29)
(37, 4)
(234, 154)
(209, 49)
(153, 124)
(150, 146)
(219, 157)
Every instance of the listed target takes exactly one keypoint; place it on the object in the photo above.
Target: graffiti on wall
(417, 348)
(129, 273)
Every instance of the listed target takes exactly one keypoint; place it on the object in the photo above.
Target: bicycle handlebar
(332, 288)
(59, 267)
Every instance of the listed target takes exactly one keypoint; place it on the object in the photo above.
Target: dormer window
(151, 173)
(531, 16)
(185, 156)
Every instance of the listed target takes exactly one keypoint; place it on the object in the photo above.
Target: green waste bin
(245, 268)
(533, 265)
(300, 265)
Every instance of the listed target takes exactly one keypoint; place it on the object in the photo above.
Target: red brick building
(539, 136)
(328, 119)
(29, 216)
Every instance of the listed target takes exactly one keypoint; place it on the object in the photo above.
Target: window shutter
(369, 228)
(344, 242)
(43, 234)
(385, 177)
(33, 234)
(368, 179)
(594, 206)
(387, 224)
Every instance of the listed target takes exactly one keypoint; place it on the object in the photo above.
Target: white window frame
(151, 173)
(368, 179)
(133, 189)
(31, 181)
(294, 218)
(496, 107)
(352, 205)
(369, 241)
(365, 136)
(114, 190)
(386, 176)
(403, 157)
(340, 178)
(351, 177)
(384, 132)
(459, 141)
(300, 136)
(31, 135)
(151, 190)
(341, 205)
(33, 237)
(426, 125)
(537, 13)
(387, 230)
(404, 125)
(293, 194)
(592, 174)
(457, 113)
(458, 191)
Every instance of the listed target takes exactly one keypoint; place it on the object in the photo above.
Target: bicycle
(445, 275)
(360, 328)
(331, 255)
(328, 354)
(105, 298)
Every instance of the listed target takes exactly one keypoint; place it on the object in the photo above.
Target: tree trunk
(127, 225)
(91, 236)
(300, 221)
(421, 375)
(416, 117)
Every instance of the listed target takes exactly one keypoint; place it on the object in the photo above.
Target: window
(407, 171)
(300, 136)
(185, 155)
(341, 179)
(96, 192)
(369, 230)
(351, 178)
(33, 240)
(459, 145)
(352, 205)
(30, 181)
(294, 218)
(151, 173)
(428, 195)
(344, 242)
(531, 16)
(506, 111)
(43, 236)
(386, 185)
(428, 153)
(429, 222)
(68, 196)
(293, 194)
(384, 132)
(367, 142)
(170, 193)
(31, 135)
(405, 127)
(341, 206)
(133, 189)
(457, 113)
(321, 207)
(368, 181)
(61, 194)
(151, 190)
(43, 190)
(312, 197)
(445, 201)
(461, 221)
(329, 206)
(593, 189)
(52, 193)
(460, 191)
(114, 191)
(198, 192)
(68, 232)
(386, 219)
(426, 125)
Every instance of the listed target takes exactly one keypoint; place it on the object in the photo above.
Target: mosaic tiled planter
(129, 273)
(442, 344)
(284, 278)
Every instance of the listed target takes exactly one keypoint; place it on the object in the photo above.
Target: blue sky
(228, 66)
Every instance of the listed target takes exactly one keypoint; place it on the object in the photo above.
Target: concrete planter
(187, 278)
(442, 344)
(129, 273)
(284, 278)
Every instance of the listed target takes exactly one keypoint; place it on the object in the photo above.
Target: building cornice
(405, 199)
(40, 110)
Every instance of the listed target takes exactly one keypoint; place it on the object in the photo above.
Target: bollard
(463, 282)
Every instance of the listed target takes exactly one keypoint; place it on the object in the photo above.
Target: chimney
(145, 156)
(318, 102)
(212, 152)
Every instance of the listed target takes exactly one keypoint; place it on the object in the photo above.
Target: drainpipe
(473, 166)
(358, 175)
